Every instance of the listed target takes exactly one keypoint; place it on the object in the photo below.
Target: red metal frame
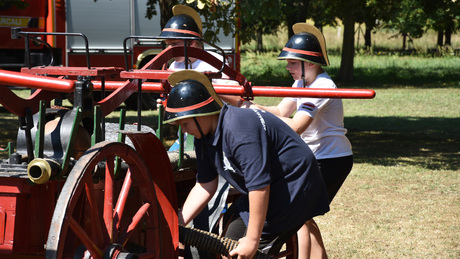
(25, 215)
(48, 89)
(245, 89)
(36, 82)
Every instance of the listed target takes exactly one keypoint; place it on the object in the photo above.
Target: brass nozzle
(40, 170)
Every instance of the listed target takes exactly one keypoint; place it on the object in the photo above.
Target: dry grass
(394, 212)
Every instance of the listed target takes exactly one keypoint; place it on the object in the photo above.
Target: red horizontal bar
(269, 91)
(73, 71)
(158, 74)
(146, 74)
(307, 92)
(149, 87)
(36, 82)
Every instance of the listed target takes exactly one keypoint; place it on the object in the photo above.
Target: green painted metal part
(73, 135)
(96, 136)
(121, 138)
(121, 125)
(40, 134)
(9, 148)
(160, 130)
(181, 148)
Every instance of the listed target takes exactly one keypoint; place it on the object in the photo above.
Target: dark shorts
(334, 172)
(269, 243)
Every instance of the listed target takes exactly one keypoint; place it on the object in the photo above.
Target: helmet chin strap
(198, 126)
(202, 135)
(303, 74)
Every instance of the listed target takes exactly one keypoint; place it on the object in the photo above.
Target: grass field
(402, 198)
(370, 71)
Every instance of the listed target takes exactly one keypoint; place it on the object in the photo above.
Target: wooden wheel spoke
(85, 239)
(96, 226)
(121, 202)
(108, 195)
(124, 237)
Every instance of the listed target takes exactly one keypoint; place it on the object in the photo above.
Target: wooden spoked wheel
(106, 214)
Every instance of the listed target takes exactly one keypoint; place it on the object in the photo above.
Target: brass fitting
(41, 170)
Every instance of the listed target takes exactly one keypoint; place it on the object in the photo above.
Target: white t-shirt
(198, 65)
(326, 134)
(202, 66)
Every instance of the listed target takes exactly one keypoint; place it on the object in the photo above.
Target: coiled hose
(210, 242)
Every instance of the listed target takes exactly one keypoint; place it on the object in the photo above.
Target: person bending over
(258, 155)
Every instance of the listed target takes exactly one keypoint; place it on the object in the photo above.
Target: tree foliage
(410, 18)
(443, 16)
(249, 16)
(263, 17)
(218, 15)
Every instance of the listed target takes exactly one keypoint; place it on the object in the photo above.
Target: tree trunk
(448, 34)
(404, 41)
(367, 36)
(348, 49)
(291, 20)
(440, 37)
(260, 46)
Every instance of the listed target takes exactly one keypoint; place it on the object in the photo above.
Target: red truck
(105, 23)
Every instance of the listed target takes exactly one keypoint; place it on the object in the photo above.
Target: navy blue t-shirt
(252, 149)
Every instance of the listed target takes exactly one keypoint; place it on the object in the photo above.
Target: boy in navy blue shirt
(258, 154)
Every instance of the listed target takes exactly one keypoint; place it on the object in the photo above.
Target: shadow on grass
(373, 78)
(399, 76)
(432, 143)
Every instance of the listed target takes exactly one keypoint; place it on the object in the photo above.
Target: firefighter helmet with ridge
(192, 95)
(186, 22)
(308, 44)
